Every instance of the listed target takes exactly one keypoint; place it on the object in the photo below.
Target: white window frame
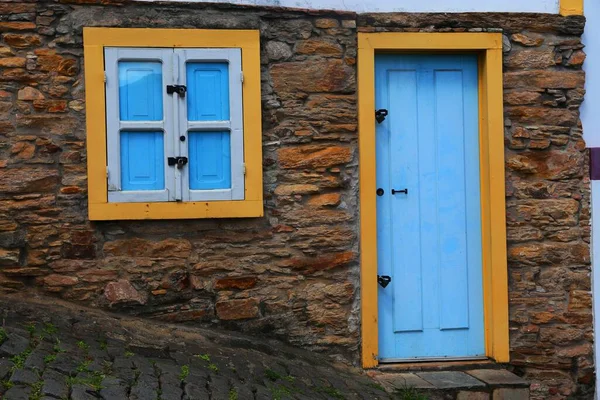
(174, 124)
(114, 125)
(235, 123)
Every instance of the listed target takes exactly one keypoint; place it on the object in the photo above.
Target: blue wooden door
(429, 237)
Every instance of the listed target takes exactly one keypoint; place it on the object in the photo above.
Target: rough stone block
(171, 392)
(123, 292)
(14, 345)
(544, 79)
(278, 50)
(28, 180)
(463, 395)
(17, 393)
(498, 377)
(5, 368)
(511, 394)
(237, 309)
(236, 282)
(529, 39)
(451, 380)
(314, 156)
(325, 23)
(323, 47)
(20, 41)
(394, 382)
(327, 75)
(24, 377)
(80, 392)
(9, 257)
(55, 388)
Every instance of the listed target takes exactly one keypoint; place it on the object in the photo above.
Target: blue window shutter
(140, 131)
(141, 99)
(211, 118)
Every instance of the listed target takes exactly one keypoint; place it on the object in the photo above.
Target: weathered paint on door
(429, 239)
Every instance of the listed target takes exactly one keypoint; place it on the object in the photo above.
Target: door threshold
(438, 365)
(429, 359)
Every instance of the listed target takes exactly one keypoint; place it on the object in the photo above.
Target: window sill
(176, 210)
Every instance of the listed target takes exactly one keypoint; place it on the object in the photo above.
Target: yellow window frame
(491, 153)
(94, 41)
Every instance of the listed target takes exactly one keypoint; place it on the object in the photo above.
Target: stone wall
(294, 273)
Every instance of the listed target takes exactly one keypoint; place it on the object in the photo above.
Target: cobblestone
(61, 351)
(17, 393)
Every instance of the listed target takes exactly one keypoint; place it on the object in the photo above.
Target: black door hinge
(384, 280)
(380, 115)
(179, 89)
(178, 161)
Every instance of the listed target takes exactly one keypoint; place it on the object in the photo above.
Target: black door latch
(178, 161)
(384, 280)
(179, 89)
(380, 115)
(405, 191)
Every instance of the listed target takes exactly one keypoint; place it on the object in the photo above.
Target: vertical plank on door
(425, 191)
(451, 207)
(385, 315)
(406, 249)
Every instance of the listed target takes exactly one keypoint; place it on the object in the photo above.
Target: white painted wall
(596, 276)
(542, 6)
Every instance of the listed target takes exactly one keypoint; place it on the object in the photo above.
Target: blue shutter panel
(208, 91)
(140, 92)
(142, 160)
(208, 100)
(210, 160)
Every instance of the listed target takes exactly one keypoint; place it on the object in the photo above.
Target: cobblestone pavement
(52, 350)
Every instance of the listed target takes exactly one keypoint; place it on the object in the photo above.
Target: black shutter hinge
(179, 89)
(177, 161)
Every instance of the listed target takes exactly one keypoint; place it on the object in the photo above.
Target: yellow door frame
(491, 142)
